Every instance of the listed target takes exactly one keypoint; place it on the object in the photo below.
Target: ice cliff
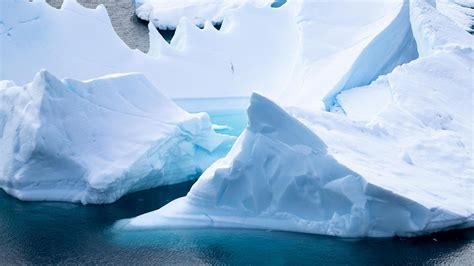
(95, 141)
(397, 159)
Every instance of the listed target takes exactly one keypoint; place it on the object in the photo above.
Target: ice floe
(97, 140)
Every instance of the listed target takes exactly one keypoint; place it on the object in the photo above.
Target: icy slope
(460, 11)
(339, 178)
(344, 45)
(94, 141)
(165, 14)
(399, 162)
(76, 42)
(433, 33)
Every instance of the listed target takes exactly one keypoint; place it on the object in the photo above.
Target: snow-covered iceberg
(397, 159)
(339, 178)
(97, 140)
(252, 51)
(166, 14)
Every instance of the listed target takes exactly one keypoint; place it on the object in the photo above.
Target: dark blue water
(45, 233)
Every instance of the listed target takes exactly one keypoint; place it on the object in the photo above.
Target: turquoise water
(227, 112)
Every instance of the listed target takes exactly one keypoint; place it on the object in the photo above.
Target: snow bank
(94, 141)
(252, 51)
(346, 45)
(460, 11)
(433, 31)
(165, 14)
(396, 161)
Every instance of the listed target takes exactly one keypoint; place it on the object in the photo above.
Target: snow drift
(283, 53)
(460, 11)
(344, 45)
(94, 141)
(396, 161)
(77, 42)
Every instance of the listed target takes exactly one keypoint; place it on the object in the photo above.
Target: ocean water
(63, 233)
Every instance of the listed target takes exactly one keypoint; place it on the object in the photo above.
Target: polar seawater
(52, 233)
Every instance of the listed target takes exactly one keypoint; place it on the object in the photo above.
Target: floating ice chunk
(166, 14)
(335, 177)
(94, 141)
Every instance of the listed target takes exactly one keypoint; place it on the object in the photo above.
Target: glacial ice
(166, 14)
(97, 140)
(366, 39)
(77, 42)
(283, 53)
(396, 160)
(460, 11)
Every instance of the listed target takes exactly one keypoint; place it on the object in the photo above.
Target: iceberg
(97, 140)
(166, 14)
(334, 176)
(395, 161)
(80, 43)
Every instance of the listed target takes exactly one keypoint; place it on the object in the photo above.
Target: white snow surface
(460, 11)
(166, 14)
(344, 45)
(97, 140)
(402, 166)
(284, 53)
(80, 43)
